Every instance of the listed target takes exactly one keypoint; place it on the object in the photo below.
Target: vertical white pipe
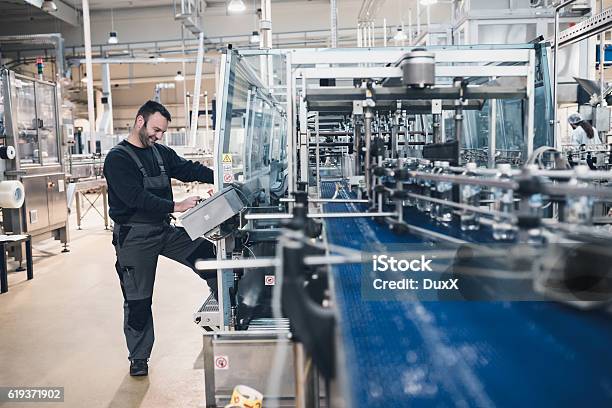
(184, 72)
(410, 29)
(373, 34)
(428, 25)
(195, 106)
(418, 19)
(384, 32)
(556, 69)
(206, 117)
(108, 92)
(265, 42)
(89, 73)
(334, 24)
(602, 58)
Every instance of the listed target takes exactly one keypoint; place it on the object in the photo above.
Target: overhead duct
(54, 39)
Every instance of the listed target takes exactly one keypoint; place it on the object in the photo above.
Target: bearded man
(138, 172)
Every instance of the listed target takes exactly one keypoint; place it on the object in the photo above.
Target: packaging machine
(31, 124)
(439, 159)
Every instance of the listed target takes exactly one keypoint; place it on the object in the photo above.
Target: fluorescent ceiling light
(112, 37)
(49, 6)
(236, 6)
(400, 35)
(428, 2)
(179, 76)
(255, 37)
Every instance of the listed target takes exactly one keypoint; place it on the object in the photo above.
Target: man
(138, 172)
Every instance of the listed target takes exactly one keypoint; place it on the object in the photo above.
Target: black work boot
(139, 367)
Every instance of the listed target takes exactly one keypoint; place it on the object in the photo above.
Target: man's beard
(144, 136)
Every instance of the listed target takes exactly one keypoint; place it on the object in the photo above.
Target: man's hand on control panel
(186, 204)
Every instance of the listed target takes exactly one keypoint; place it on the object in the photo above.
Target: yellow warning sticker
(227, 158)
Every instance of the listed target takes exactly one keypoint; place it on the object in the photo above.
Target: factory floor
(64, 328)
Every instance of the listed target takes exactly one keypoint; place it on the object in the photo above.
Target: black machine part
(311, 323)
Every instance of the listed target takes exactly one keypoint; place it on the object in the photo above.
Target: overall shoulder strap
(134, 157)
(159, 159)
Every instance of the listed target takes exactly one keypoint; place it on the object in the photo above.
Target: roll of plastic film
(12, 194)
(245, 397)
(7, 152)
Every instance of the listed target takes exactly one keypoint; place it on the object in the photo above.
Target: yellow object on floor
(245, 397)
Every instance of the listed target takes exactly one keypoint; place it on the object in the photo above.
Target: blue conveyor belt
(472, 354)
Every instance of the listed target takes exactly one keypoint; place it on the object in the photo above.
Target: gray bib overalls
(138, 244)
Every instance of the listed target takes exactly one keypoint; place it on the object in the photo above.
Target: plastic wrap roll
(12, 194)
(7, 152)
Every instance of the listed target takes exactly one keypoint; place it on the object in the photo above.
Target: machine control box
(212, 212)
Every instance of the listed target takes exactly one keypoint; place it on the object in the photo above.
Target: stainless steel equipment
(31, 123)
(212, 212)
(419, 68)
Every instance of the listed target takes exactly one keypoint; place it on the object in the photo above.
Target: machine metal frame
(45, 183)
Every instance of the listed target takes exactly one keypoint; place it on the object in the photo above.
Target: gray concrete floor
(64, 328)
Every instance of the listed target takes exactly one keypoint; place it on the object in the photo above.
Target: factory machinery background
(450, 148)
(405, 154)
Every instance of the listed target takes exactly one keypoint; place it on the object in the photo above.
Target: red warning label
(221, 363)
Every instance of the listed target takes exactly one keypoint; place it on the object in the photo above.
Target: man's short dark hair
(150, 107)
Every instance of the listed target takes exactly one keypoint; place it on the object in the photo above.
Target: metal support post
(368, 115)
(556, 68)
(492, 132)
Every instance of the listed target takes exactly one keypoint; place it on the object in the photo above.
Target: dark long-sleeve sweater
(126, 194)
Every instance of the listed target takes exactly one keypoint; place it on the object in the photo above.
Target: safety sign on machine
(221, 363)
(270, 280)
(228, 172)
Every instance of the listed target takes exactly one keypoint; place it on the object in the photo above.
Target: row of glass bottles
(579, 209)
(430, 188)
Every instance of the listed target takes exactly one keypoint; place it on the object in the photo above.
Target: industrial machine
(442, 157)
(30, 115)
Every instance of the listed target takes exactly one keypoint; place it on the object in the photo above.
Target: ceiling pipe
(334, 24)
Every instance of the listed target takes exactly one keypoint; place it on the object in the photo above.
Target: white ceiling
(119, 4)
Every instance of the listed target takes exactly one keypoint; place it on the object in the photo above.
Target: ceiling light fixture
(428, 2)
(236, 6)
(400, 35)
(49, 6)
(255, 37)
(112, 37)
(179, 76)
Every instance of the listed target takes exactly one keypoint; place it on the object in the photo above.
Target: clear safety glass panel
(47, 125)
(266, 136)
(235, 125)
(26, 123)
(2, 121)
(509, 133)
(254, 135)
(249, 111)
(277, 78)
